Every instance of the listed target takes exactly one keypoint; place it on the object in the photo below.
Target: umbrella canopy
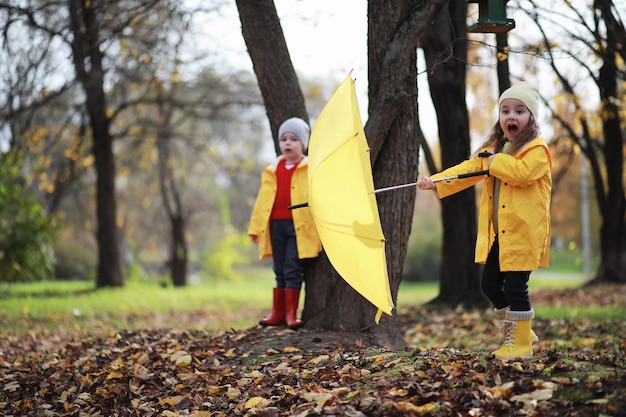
(341, 200)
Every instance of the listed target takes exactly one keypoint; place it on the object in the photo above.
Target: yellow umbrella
(341, 200)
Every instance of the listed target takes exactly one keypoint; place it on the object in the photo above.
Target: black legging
(504, 289)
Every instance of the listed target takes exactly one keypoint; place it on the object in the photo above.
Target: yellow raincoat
(524, 204)
(307, 239)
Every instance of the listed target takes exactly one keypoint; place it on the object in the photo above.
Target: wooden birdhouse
(491, 17)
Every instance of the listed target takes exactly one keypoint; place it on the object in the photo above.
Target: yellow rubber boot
(517, 329)
(501, 313)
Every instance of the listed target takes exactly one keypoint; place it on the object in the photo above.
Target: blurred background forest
(190, 135)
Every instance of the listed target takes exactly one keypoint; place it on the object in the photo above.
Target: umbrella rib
(345, 143)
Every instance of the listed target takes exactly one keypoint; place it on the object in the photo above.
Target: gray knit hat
(298, 127)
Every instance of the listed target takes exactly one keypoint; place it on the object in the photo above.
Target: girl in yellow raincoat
(514, 221)
(288, 236)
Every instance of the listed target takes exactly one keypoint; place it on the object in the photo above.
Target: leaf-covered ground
(579, 369)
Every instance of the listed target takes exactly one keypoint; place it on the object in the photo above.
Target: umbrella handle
(297, 206)
(474, 174)
(466, 175)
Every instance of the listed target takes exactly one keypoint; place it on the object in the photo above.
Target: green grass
(44, 288)
(411, 293)
(66, 306)
(70, 305)
(569, 261)
(547, 278)
(589, 313)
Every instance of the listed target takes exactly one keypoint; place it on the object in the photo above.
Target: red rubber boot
(277, 316)
(292, 297)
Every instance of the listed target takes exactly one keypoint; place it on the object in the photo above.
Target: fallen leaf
(181, 358)
(538, 395)
(256, 402)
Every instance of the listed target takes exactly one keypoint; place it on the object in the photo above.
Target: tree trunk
(502, 65)
(330, 303)
(87, 59)
(392, 132)
(392, 73)
(272, 65)
(613, 206)
(179, 255)
(445, 49)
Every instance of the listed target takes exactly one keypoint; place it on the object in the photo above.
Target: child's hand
(426, 184)
(254, 238)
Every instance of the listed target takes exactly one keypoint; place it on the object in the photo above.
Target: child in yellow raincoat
(514, 221)
(288, 236)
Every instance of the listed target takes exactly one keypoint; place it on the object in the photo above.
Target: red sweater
(280, 211)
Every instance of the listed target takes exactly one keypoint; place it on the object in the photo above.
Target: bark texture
(445, 49)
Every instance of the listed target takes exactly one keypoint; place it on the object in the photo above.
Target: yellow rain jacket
(523, 209)
(307, 239)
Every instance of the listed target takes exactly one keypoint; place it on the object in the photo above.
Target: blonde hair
(497, 138)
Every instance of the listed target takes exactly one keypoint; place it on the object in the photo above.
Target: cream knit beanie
(526, 93)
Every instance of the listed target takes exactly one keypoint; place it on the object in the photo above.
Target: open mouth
(512, 128)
